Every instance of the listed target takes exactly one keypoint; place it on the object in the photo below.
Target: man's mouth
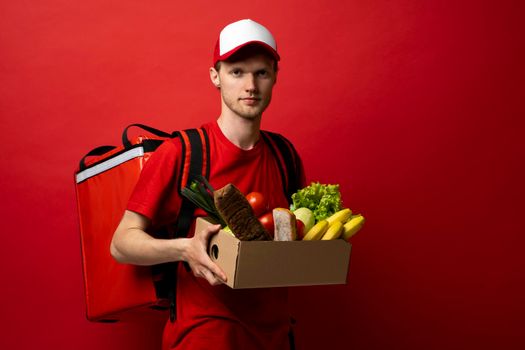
(250, 100)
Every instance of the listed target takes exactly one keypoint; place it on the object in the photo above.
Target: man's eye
(262, 73)
(236, 72)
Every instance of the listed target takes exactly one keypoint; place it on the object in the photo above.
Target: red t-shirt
(217, 317)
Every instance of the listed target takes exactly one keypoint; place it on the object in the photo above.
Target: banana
(316, 232)
(352, 226)
(334, 231)
(342, 215)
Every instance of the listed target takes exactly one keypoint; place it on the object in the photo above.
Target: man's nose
(251, 83)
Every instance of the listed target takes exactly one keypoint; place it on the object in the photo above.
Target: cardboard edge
(349, 262)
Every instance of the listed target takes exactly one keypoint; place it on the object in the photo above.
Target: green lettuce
(323, 200)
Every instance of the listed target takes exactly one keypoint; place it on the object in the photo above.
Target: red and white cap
(240, 34)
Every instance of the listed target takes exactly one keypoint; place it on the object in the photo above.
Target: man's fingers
(208, 269)
(217, 271)
(212, 278)
(214, 269)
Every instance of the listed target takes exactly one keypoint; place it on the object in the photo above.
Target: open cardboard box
(258, 264)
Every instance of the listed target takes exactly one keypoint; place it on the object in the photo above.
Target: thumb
(211, 230)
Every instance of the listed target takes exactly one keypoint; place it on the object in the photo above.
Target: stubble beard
(246, 113)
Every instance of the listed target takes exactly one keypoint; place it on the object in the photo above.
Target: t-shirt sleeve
(155, 194)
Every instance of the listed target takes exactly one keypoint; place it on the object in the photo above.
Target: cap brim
(233, 51)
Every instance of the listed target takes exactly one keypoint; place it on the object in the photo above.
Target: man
(209, 313)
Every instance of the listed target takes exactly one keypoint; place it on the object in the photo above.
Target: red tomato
(267, 221)
(300, 229)
(257, 202)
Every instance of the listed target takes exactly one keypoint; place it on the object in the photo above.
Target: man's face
(245, 85)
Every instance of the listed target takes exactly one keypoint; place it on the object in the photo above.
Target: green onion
(200, 193)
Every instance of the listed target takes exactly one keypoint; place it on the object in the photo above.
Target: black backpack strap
(147, 144)
(195, 161)
(94, 152)
(288, 162)
(125, 139)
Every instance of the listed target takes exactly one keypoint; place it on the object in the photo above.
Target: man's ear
(214, 77)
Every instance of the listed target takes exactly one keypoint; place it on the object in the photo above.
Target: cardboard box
(258, 264)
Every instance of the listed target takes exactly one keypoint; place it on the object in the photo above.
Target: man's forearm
(132, 245)
(139, 248)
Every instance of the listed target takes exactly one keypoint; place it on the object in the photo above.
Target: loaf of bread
(285, 225)
(238, 214)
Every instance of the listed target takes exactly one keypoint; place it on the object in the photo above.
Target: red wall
(415, 107)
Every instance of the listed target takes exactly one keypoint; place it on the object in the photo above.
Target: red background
(415, 107)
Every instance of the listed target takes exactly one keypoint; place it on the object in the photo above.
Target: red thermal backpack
(104, 180)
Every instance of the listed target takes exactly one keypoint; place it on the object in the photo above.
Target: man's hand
(200, 263)
(132, 245)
